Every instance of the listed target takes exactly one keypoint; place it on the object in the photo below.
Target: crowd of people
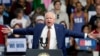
(72, 14)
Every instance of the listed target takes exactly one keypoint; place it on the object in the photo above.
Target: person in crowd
(90, 6)
(19, 18)
(35, 13)
(16, 36)
(64, 23)
(86, 28)
(42, 31)
(38, 3)
(78, 18)
(97, 31)
(93, 18)
(20, 4)
(60, 16)
(39, 19)
(2, 35)
(16, 26)
(51, 6)
(71, 6)
(4, 20)
(72, 50)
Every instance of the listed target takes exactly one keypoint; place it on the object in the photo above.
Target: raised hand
(6, 30)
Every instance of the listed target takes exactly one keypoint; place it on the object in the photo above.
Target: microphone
(43, 42)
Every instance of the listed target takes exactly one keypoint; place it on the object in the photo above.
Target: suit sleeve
(74, 34)
(26, 31)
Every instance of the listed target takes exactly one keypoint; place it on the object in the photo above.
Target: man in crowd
(60, 15)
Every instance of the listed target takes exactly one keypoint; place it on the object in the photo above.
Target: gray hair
(51, 13)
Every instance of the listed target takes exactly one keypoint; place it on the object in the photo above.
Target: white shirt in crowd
(62, 16)
(53, 40)
(21, 21)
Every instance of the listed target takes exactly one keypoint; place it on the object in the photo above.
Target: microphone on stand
(43, 42)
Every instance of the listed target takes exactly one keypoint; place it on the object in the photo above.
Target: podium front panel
(41, 52)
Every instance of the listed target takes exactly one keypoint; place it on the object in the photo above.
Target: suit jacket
(61, 33)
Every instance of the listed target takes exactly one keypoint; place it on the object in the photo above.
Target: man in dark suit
(54, 33)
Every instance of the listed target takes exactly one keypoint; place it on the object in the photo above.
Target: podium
(43, 52)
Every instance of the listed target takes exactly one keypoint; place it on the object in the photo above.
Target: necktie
(48, 37)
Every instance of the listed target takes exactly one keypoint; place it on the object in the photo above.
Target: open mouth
(49, 22)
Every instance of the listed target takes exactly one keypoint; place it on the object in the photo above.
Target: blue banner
(83, 44)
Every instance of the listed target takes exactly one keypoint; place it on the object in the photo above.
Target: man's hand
(6, 30)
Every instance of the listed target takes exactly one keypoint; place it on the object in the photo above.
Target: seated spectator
(51, 6)
(64, 23)
(78, 18)
(4, 20)
(95, 17)
(60, 16)
(19, 18)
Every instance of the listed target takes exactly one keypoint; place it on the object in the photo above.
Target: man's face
(57, 6)
(49, 19)
(1, 9)
(98, 9)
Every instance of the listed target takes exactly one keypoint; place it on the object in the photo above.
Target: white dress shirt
(53, 40)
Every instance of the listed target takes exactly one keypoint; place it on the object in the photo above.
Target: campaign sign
(16, 45)
(83, 44)
(86, 44)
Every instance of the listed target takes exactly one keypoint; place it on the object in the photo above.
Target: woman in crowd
(19, 18)
(78, 18)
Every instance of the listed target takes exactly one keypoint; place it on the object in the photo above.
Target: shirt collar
(51, 26)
